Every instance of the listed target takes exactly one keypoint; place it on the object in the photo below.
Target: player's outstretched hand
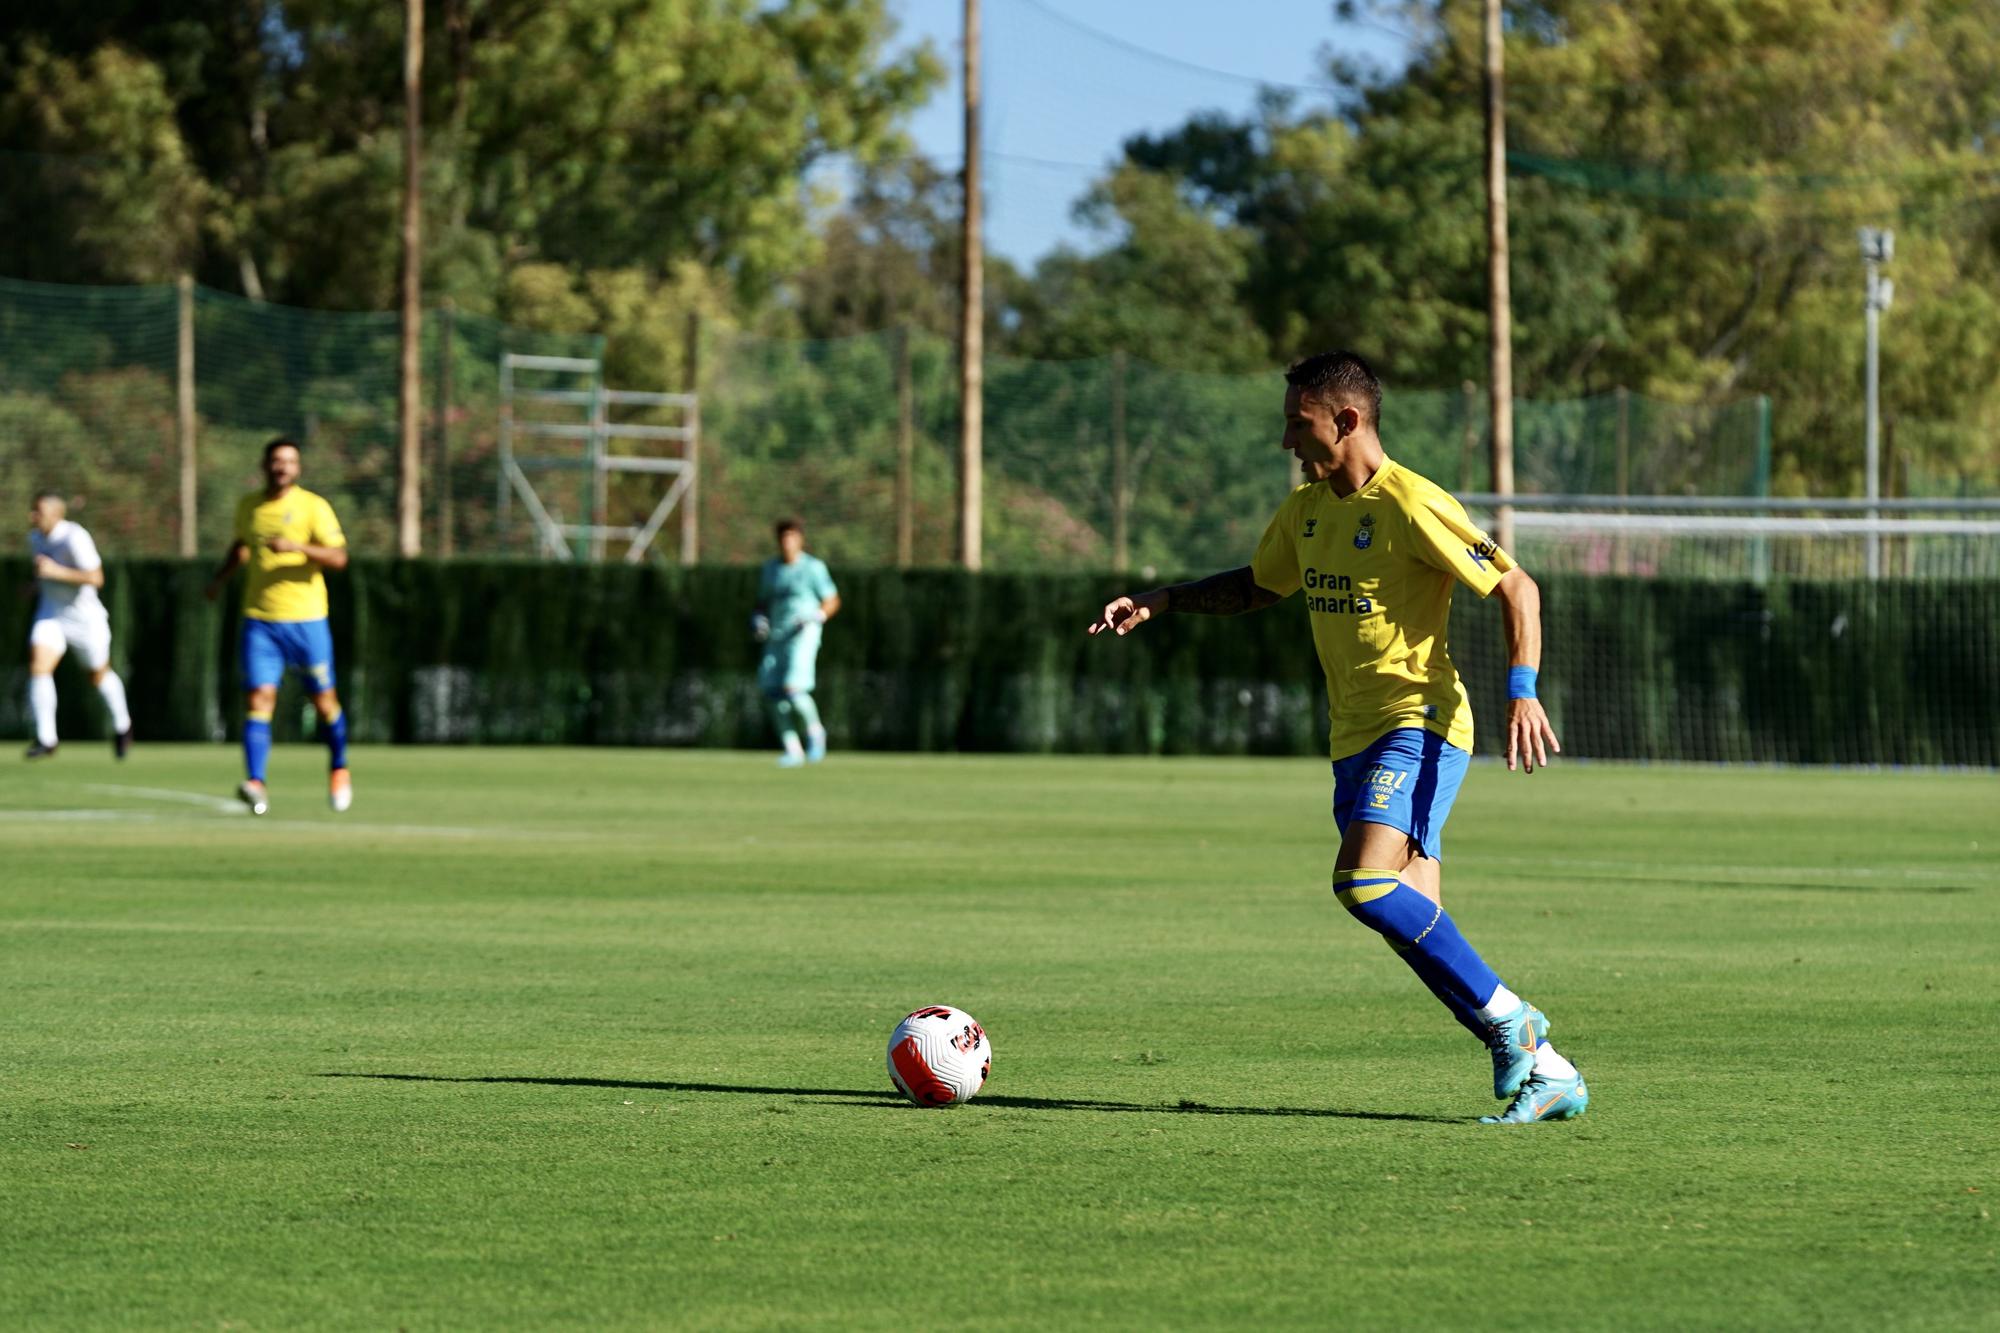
(1530, 738)
(1124, 614)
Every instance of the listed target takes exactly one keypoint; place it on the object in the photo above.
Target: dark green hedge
(935, 660)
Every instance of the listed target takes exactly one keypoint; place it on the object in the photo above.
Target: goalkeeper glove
(760, 627)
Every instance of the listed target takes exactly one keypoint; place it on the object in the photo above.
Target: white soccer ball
(939, 1056)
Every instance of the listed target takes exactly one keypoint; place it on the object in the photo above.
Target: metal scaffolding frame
(597, 430)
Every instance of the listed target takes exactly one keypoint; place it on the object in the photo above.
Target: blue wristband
(1521, 682)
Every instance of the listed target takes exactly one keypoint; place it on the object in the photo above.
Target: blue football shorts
(270, 646)
(1407, 779)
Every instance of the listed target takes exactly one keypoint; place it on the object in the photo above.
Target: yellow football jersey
(285, 586)
(1377, 569)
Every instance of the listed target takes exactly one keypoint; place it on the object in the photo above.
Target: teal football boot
(1544, 1097)
(1513, 1041)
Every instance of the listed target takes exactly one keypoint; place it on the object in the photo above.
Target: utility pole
(972, 318)
(1878, 247)
(1499, 297)
(409, 371)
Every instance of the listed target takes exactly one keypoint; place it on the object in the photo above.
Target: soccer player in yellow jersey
(1377, 550)
(286, 535)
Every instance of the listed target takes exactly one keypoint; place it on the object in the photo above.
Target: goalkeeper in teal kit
(795, 597)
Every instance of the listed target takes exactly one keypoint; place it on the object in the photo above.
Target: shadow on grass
(880, 1097)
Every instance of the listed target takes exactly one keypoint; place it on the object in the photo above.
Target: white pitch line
(221, 806)
(77, 816)
(215, 803)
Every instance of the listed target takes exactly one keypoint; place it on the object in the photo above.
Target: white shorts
(90, 636)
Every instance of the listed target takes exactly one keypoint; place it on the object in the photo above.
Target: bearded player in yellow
(286, 535)
(1376, 549)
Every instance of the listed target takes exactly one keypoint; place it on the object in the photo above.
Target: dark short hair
(1342, 378)
(282, 442)
(785, 525)
(57, 496)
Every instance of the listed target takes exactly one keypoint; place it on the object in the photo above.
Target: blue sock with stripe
(256, 744)
(1423, 934)
(333, 731)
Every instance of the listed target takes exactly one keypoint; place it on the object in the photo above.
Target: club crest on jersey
(1311, 523)
(1365, 536)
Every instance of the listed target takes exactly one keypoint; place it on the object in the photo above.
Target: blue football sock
(334, 732)
(1424, 935)
(256, 744)
(1429, 973)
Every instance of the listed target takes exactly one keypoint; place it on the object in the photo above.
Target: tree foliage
(1686, 181)
(265, 139)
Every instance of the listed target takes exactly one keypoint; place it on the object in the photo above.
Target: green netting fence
(1113, 462)
(1090, 464)
(89, 394)
(520, 652)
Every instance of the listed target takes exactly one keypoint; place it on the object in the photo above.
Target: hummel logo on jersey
(1311, 523)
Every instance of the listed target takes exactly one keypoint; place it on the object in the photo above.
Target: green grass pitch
(540, 1038)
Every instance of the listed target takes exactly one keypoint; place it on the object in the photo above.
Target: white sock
(42, 703)
(1551, 1064)
(1503, 1003)
(113, 690)
(792, 746)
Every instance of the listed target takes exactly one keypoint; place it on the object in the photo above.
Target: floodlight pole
(1500, 305)
(972, 319)
(1878, 247)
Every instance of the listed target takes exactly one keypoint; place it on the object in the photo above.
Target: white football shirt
(68, 544)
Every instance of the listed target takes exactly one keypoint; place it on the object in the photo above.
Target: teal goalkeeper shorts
(791, 662)
(1407, 779)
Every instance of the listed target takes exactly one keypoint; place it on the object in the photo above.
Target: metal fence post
(184, 412)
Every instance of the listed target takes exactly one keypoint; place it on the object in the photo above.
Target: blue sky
(1060, 99)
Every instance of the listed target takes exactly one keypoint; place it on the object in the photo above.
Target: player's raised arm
(1230, 593)
(1529, 735)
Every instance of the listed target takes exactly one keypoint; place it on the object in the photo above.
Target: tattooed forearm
(1229, 593)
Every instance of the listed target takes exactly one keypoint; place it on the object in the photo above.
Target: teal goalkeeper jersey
(790, 593)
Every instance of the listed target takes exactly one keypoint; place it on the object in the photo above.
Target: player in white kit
(68, 614)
